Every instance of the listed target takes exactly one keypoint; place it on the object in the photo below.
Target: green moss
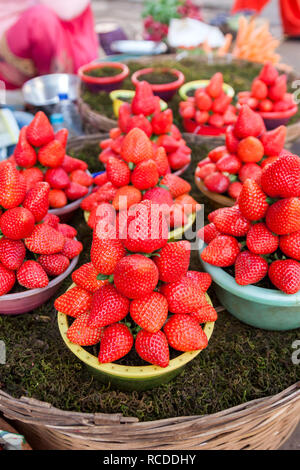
(240, 364)
(102, 72)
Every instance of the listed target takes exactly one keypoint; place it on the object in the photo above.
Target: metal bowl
(44, 90)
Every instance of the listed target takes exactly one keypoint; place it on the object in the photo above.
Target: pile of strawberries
(145, 113)
(268, 92)
(140, 172)
(41, 156)
(249, 148)
(34, 245)
(260, 235)
(210, 105)
(135, 278)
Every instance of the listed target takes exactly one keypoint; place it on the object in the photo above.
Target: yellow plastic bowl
(130, 377)
(116, 97)
(201, 84)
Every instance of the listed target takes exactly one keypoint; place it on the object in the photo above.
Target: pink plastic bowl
(280, 118)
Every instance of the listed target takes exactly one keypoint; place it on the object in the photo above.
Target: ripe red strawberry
(141, 271)
(231, 141)
(140, 122)
(153, 347)
(205, 314)
(76, 191)
(161, 160)
(40, 132)
(103, 211)
(273, 141)
(57, 198)
(281, 178)
(32, 176)
(101, 179)
(217, 153)
(285, 275)
(162, 122)
(66, 230)
(259, 89)
(183, 296)
(184, 333)
(12, 186)
(117, 172)
(180, 158)
(231, 221)
(230, 163)
(235, 189)
(217, 182)
(221, 104)
(72, 248)
(202, 280)
(7, 279)
(62, 136)
(136, 147)
(12, 253)
(261, 240)
(268, 73)
(283, 216)
(143, 101)
(216, 120)
(289, 245)
(106, 249)
(54, 265)
(124, 116)
(17, 223)
(45, 240)
(52, 154)
(145, 175)
(211, 216)
(150, 313)
(222, 251)
(52, 220)
(57, 178)
(202, 100)
(37, 200)
(116, 342)
(25, 155)
(169, 143)
(252, 201)
(158, 196)
(250, 268)
(32, 276)
(86, 277)
(215, 86)
(70, 164)
(177, 186)
(126, 197)
(74, 302)
(177, 216)
(249, 123)
(80, 333)
(278, 89)
(108, 306)
(206, 170)
(208, 233)
(173, 261)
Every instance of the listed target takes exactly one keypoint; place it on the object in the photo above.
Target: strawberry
(202, 280)
(125, 197)
(62, 136)
(143, 101)
(74, 302)
(176, 185)
(221, 103)
(17, 223)
(45, 240)
(285, 275)
(7, 279)
(145, 175)
(101, 179)
(32, 176)
(117, 172)
(12, 186)
(103, 211)
(70, 164)
(222, 251)
(215, 86)
(180, 158)
(267, 161)
(289, 245)
(80, 333)
(140, 122)
(72, 248)
(54, 265)
(266, 106)
(37, 200)
(124, 116)
(57, 178)
(217, 182)
(150, 313)
(231, 221)
(86, 277)
(250, 149)
(169, 143)
(268, 73)
(106, 249)
(51, 154)
(261, 240)
(183, 296)
(108, 306)
(184, 333)
(278, 89)
(141, 271)
(40, 132)
(206, 170)
(252, 201)
(259, 89)
(234, 190)
(216, 120)
(250, 268)
(32, 276)
(231, 141)
(25, 155)
(76, 191)
(12, 253)
(177, 216)
(66, 230)
(229, 163)
(273, 141)
(158, 196)
(248, 123)
(229, 116)
(250, 170)
(162, 122)
(153, 347)
(283, 216)
(136, 147)
(208, 233)
(161, 160)
(57, 198)
(201, 117)
(116, 342)
(173, 261)
(205, 314)
(211, 216)
(52, 220)
(203, 100)
(186, 110)
(281, 178)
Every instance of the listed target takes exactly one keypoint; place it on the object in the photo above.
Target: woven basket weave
(259, 424)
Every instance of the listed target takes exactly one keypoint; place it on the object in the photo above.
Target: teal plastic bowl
(267, 309)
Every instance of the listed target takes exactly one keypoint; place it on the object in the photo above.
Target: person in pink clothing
(38, 37)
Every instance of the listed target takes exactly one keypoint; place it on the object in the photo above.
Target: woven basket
(259, 424)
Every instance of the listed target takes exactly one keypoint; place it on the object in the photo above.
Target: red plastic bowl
(193, 128)
(280, 118)
(165, 91)
(108, 84)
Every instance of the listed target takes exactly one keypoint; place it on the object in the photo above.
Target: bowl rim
(72, 206)
(279, 114)
(218, 198)
(49, 101)
(229, 90)
(256, 294)
(103, 80)
(33, 292)
(160, 87)
(127, 372)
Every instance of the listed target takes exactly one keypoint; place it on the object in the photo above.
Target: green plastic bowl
(267, 309)
(117, 95)
(195, 84)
